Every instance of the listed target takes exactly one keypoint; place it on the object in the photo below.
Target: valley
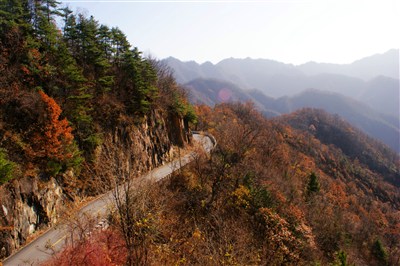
(241, 162)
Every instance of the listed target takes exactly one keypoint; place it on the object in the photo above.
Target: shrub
(6, 168)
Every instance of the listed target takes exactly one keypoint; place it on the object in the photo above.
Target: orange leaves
(279, 240)
(54, 135)
(34, 54)
(338, 194)
(37, 69)
(25, 70)
(295, 212)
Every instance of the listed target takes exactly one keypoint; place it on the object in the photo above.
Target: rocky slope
(81, 110)
(35, 202)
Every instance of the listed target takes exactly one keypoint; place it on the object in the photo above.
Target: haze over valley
(365, 92)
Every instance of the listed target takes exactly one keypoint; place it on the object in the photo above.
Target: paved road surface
(55, 238)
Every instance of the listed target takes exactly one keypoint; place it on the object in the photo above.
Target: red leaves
(103, 248)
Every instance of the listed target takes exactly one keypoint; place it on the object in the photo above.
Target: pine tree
(313, 185)
(70, 31)
(43, 14)
(92, 55)
(140, 81)
(120, 46)
(378, 250)
(105, 41)
(77, 98)
(14, 13)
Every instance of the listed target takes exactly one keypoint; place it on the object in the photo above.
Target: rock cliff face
(130, 150)
(27, 205)
(33, 203)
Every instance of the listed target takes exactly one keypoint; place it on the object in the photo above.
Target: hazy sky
(336, 31)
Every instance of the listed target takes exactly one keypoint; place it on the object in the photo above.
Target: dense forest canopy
(61, 87)
(268, 194)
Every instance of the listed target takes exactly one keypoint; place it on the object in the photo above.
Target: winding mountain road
(43, 247)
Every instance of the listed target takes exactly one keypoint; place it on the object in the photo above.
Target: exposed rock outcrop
(32, 203)
(27, 205)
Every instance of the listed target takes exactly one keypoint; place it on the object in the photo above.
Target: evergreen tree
(77, 97)
(120, 46)
(378, 250)
(50, 9)
(313, 185)
(92, 55)
(70, 32)
(43, 14)
(105, 41)
(14, 13)
(140, 81)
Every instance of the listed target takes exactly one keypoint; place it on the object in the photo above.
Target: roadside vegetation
(266, 195)
(302, 189)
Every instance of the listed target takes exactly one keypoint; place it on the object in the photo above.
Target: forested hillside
(385, 128)
(365, 93)
(72, 97)
(60, 88)
(82, 110)
(268, 194)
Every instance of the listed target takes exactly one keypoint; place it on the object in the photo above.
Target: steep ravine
(32, 203)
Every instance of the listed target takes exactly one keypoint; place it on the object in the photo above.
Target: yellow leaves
(144, 224)
(181, 261)
(228, 257)
(241, 197)
(196, 233)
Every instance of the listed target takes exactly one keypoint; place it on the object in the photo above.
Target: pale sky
(291, 31)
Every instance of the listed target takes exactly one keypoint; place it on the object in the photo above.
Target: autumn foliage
(104, 248)
(303, 189)
(54, 134)
(267, 195)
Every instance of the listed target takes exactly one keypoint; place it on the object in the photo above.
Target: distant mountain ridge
(373, 80)
(386, 64)
(383, 127)
(365, 92)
